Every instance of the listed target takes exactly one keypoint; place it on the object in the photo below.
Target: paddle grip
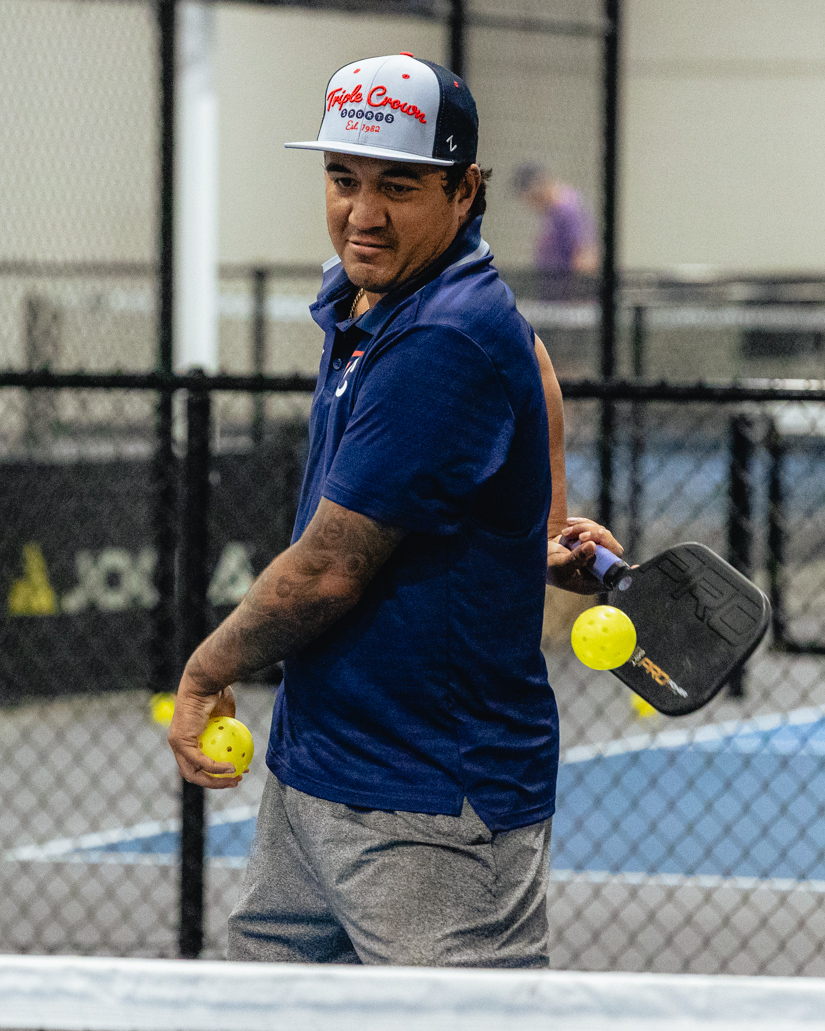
(609, 568)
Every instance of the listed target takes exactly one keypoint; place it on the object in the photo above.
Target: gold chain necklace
(355, 302)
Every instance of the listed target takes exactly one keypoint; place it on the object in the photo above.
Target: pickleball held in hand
(227, 740)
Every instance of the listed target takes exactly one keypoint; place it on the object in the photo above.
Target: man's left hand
(569, 569)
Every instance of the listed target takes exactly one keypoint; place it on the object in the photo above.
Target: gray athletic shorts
(327, 883)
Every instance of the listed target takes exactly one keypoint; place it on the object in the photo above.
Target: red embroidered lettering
(338, 98)
(377, 97)
(381, 92)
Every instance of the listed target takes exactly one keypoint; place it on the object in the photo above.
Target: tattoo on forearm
(283, 588)
(300, 594)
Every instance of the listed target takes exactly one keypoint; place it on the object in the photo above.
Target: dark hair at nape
(453, 176)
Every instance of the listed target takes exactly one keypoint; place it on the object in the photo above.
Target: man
(565, 247)
(414, 740)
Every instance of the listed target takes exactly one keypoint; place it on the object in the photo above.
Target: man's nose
(368, 211)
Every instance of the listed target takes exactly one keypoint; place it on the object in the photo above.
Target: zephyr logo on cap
(398, 108)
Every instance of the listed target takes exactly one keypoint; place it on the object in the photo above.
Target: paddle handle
(609, 568)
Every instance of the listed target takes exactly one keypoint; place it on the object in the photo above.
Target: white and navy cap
(398, 108)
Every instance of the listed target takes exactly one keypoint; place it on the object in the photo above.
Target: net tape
(97, 994)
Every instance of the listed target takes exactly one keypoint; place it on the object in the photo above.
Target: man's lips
(365, 248)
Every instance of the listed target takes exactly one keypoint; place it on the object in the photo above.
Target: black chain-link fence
(695, 844)
(78, 184)
(689, 844)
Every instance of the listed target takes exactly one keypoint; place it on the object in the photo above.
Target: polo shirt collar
(467, 247)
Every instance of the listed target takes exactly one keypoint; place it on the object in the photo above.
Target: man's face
(389, 220)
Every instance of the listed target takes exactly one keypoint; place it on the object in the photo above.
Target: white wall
(722, 159)
(78, 114)
(538, 99)
(273, 67)
(722, 151)
(724, 148)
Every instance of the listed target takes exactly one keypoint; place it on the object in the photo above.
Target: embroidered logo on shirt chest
(342, 386)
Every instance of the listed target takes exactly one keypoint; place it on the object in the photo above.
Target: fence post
(259, 283)
(608, 290)
(458, 53)
(166, 13)
(164, 471)
(42, 334)
(740, 523)
(193, 585)
(638, 418)
(610, 177)
(776, 533)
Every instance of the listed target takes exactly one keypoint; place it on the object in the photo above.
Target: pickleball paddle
(697, 621)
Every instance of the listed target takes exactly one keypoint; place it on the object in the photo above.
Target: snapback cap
(398, 108)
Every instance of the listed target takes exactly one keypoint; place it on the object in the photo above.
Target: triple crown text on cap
(398, 108)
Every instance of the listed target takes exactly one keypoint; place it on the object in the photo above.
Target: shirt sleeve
(431, 423)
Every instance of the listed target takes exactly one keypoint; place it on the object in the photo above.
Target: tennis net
(97, 994)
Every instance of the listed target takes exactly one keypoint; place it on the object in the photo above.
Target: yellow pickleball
(163, 708)
(603, 637)
(644, 710)
(227, 741)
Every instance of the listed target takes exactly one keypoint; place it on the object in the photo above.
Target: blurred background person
(565, 252)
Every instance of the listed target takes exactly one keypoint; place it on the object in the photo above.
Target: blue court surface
(737, 801)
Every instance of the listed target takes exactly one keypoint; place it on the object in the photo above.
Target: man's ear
(468, 188)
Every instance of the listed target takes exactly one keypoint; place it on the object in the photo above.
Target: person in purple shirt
(565, 247)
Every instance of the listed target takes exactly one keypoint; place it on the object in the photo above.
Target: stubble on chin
(364, 276)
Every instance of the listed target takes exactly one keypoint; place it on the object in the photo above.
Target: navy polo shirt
(429, 415)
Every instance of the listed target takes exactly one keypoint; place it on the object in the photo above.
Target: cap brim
(367, 152)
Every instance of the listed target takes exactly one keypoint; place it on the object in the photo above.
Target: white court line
(714, 732)
(61, 846)
(638, 879)
(92, 858)
(60, 849)
(675, 880)
(88, 848)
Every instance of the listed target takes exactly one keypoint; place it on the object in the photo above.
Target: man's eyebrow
(399, 171)
(402, 172)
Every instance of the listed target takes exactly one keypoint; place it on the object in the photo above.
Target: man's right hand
(193, 710)
(299, 595)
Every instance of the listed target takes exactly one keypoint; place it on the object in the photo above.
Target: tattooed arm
(298, 596)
